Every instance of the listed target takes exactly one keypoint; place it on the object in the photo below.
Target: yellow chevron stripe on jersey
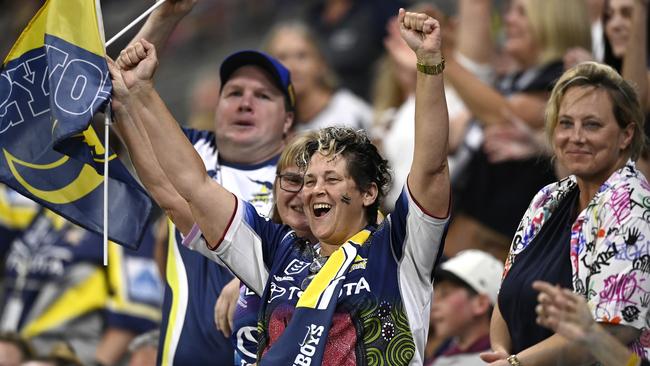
(87, 296)
(175, 269)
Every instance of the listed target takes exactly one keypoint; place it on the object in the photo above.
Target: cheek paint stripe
(346, 199)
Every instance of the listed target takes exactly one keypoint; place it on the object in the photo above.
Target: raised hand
(138, 63)
(511, 140)
(422, 34)
(563, 311)
(224, 308)
(120, 91)
(176, 8)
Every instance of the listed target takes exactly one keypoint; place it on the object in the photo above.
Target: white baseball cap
(478, 269)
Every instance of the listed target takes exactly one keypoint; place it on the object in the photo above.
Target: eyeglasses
(291, 182)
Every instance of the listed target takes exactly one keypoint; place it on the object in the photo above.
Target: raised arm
(162, 22)
(474, 38)
(134, 136)
(428, 178)
(488, 105)
(211, 205)
(636, 53)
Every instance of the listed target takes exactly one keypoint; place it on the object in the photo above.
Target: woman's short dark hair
(364, 163)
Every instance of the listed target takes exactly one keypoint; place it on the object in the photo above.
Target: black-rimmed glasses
(291, 182)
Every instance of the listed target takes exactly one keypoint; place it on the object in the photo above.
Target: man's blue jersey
(383, 307)
(189, 335)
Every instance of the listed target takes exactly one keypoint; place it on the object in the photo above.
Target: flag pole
(107, 120)
(107, 123)
(133, 23)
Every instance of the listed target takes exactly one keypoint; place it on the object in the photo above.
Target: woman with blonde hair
(501, 178)
(588, 231)
(321, 102)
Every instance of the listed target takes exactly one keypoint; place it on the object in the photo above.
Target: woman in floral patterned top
(589, 231)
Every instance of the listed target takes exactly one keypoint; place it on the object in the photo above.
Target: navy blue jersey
(244, 328)
(383, 306)
(189, 335)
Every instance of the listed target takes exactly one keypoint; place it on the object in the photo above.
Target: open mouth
(244, 123)
(321, 209)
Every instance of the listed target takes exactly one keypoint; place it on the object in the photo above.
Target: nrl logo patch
(295, 267)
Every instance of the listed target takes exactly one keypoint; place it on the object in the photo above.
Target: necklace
(318, 261)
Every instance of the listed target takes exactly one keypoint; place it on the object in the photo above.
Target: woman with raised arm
(501, 178)
(362, 295)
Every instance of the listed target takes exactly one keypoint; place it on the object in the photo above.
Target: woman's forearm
(211, 205)
(149, 171)
(499, 334)
(635, 60)
(604, 345)
(474, 36)
(607, 348)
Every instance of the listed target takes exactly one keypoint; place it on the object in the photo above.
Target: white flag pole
(107, 119)
(136, 21)
(107, 123)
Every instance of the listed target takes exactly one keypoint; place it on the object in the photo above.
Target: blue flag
(51, 84)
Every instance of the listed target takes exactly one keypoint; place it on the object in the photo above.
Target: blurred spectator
(596, 10)
(62, 354)
(465, 291)
(320, 102)
(500, 179)
(14, 349)
(144, 348)
(398, 134)
(351, 33)
(575, 55)
(626, 28)
(57, 289)
(203, 97)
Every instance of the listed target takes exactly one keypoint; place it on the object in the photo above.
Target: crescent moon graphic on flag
(86, 182)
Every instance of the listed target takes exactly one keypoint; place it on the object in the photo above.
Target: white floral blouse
(610, 247)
